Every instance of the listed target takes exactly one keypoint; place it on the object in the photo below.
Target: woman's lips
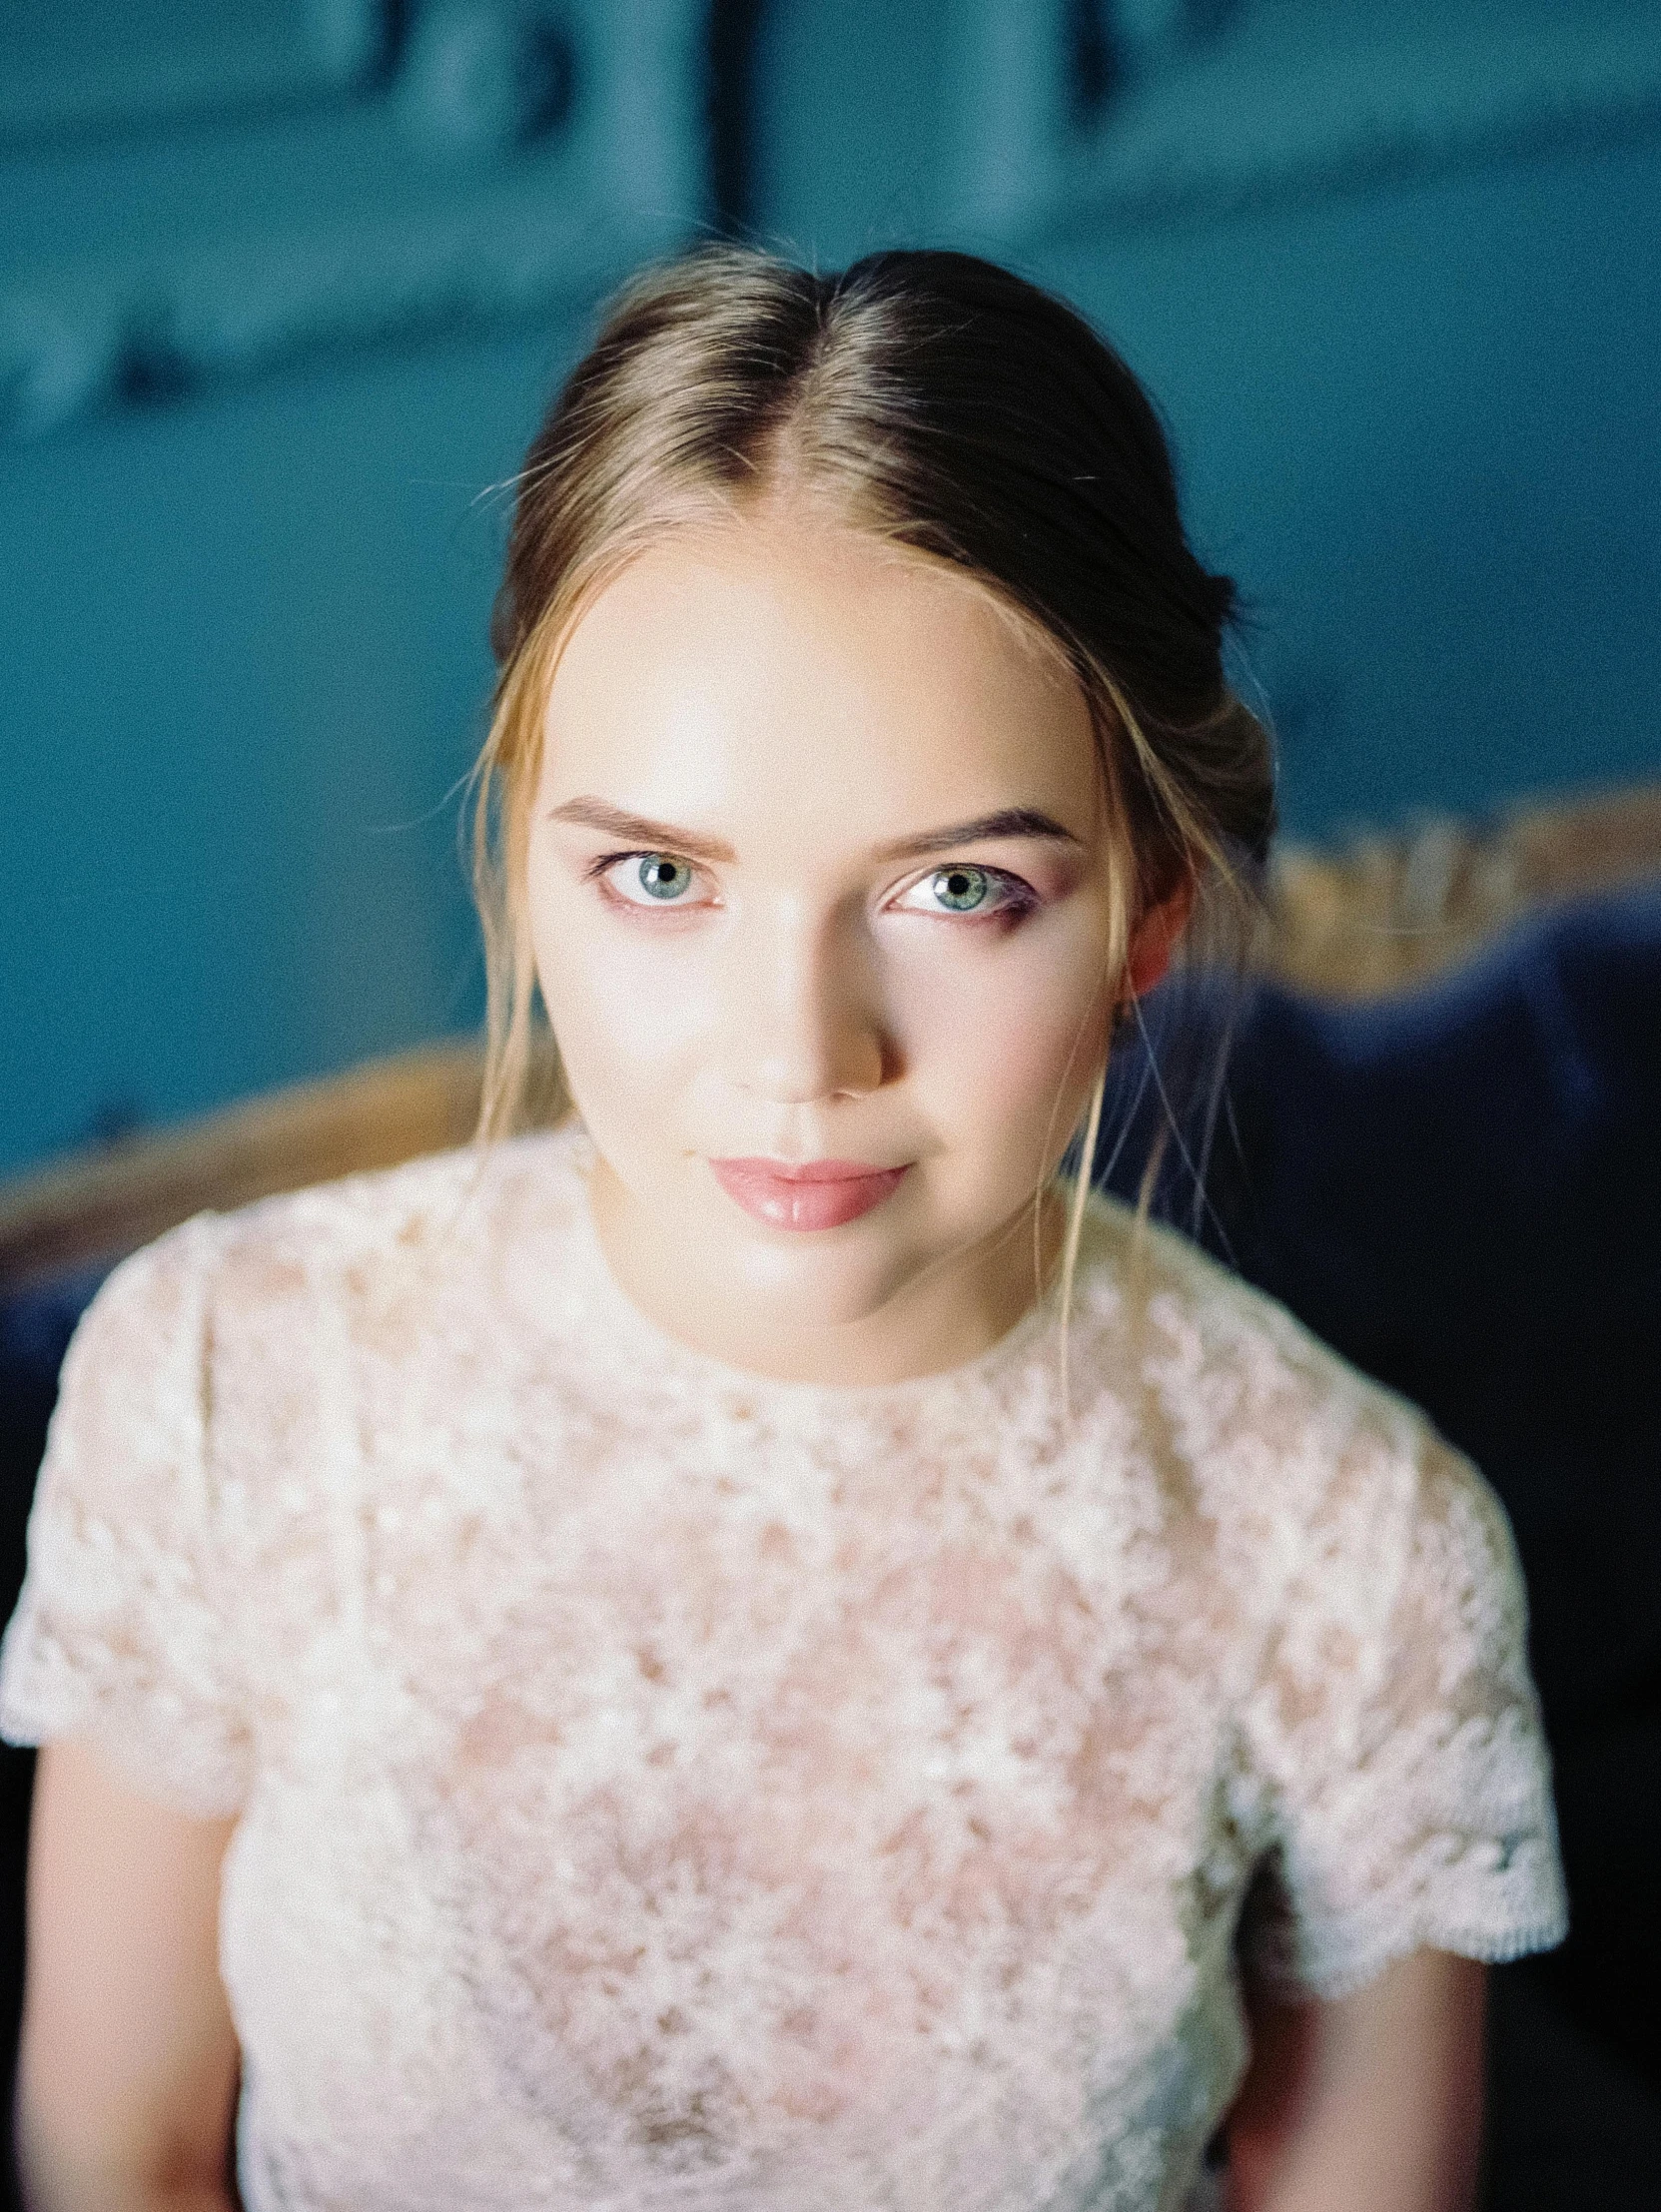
(816, 1195)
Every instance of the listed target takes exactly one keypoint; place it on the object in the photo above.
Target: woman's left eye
(648, 879)
(962, 889)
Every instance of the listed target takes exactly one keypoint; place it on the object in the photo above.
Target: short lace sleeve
(120, 1634)
(1396, 1732)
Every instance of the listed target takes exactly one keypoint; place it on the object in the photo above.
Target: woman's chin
(798, 1282)
(799, 1303)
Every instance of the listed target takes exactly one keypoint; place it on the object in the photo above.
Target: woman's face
(820, 895)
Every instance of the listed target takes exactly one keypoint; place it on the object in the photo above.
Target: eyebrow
(641, 831)
(1006, 822)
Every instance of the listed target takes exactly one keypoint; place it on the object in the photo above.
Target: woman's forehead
(783, 662)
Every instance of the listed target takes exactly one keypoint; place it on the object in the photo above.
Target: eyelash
(598, 871)
(1018, 898)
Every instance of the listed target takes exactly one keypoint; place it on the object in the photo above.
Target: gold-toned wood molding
(1390, 911)
(84, 1208)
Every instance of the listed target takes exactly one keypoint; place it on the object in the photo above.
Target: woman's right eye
(648, 879)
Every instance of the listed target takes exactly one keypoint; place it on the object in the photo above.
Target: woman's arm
(127, 2070)
(1372, 2101)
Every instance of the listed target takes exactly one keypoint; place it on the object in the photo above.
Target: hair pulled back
(944, 404)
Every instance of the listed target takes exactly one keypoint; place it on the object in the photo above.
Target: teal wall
(283, 287)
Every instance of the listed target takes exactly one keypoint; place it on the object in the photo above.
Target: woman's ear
(1155, 937)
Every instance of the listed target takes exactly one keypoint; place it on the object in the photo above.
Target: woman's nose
(803, 1014)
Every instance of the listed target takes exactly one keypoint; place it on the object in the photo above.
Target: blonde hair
(955, 410)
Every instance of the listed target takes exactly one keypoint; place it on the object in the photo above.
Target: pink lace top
(662, 1788)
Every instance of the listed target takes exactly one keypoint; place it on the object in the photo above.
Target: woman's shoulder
(228, 1384)
(1197, 1321)
(1264, 1420)
(239, 1312)
(227, 1366)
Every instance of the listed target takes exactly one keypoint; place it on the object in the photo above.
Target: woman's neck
(942, 1317)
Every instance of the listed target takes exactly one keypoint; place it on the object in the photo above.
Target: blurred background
(284, 283)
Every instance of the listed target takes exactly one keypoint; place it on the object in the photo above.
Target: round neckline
(668, 1351)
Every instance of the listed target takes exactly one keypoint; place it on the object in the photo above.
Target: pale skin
(881, 932)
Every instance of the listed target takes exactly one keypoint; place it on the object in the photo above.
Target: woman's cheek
(1004, 1049)
(625, 1010)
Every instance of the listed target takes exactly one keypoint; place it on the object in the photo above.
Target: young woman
(758, 1649)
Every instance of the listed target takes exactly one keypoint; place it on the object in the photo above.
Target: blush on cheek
(1007, 1056)
(638, 1015)
(632, 998)
(1041, 1085)
(623, 1034)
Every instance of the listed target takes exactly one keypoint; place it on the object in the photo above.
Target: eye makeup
(963, 890)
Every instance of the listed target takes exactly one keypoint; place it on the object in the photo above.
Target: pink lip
(811, 1194)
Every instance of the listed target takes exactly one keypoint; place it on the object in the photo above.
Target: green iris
(663, 878)
(961, 888)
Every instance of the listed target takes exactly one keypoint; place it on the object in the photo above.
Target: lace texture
(661, 1788)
